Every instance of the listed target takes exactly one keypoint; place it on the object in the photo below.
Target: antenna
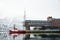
(24, 17)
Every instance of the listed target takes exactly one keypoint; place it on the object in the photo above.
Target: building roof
(37, 22)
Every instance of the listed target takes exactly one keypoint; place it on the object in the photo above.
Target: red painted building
(54, 21)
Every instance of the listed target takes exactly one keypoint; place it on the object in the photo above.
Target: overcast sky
(35, 9)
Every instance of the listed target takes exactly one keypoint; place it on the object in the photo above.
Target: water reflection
(43, 37)
(6, 36)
